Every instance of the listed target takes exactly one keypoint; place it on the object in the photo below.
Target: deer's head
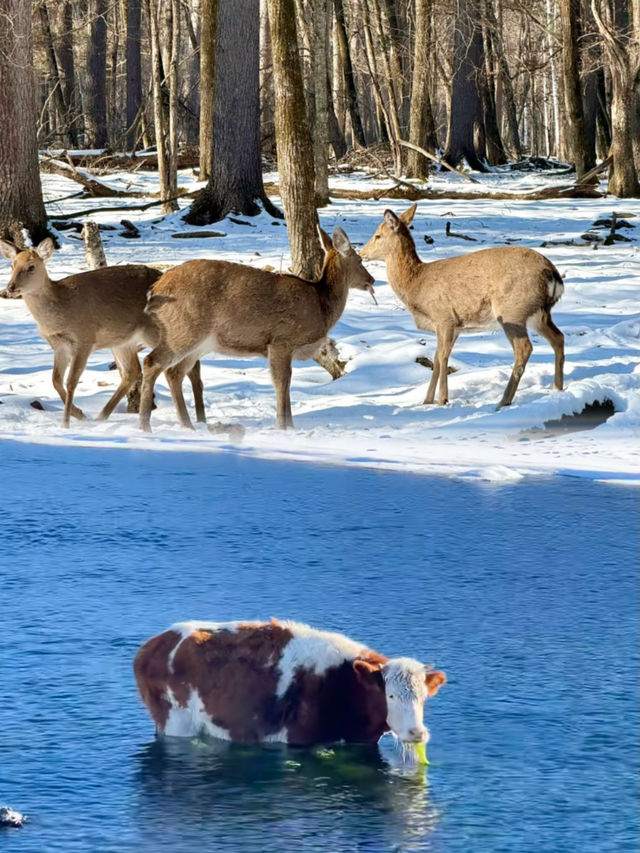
(28, 272)
(349, 263)
(388, 235)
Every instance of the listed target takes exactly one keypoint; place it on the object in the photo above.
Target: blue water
(526, 595)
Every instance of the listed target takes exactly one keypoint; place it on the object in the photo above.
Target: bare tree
(422, 129)
(622, 50)
(21, 204)
(209, 12)
(235, 183)
(134, 71)
(95, 101)
(573, 95)
(293, 141)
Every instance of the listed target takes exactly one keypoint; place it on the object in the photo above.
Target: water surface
(525, 594)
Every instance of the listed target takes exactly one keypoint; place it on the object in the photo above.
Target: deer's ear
(408, 214)
(434, 681)
(325, 240)
(392, 220)
(45, 248)
(8, 249)
(341, 241)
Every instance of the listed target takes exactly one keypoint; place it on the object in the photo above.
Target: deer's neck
(333, 289)
(40, 301)
(404, 268)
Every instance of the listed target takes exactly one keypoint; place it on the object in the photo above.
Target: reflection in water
(309, 797)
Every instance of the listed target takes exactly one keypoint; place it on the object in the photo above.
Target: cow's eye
(390, 695)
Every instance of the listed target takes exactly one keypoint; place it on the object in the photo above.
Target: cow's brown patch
(372, 657)
(235, 674)
(151, 669)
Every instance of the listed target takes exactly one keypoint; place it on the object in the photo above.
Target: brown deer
(101, 308)
(206, 306)
(507, 287)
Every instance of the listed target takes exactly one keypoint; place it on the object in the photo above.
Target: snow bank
(374, 416)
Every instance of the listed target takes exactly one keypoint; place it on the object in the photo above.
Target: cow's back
(216, 678)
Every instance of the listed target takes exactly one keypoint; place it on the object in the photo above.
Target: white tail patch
(555, 289)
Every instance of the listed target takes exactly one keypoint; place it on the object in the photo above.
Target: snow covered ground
(374, 415)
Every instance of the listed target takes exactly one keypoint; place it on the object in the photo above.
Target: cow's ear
(363, 669)
(434, 681)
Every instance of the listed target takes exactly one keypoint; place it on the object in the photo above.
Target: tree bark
(167, 179)
(622, 52)
(66, 66)
(235, 183)
(293, 141)
(511, 136)
(422, 129)
(321, 99)
(95, 97)
(342, 47)
(21, 204)
(573, 96)
(57, 92)
(134, 69)
(465, 134)
(209, 12)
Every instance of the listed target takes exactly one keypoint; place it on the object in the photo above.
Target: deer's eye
(31, 268)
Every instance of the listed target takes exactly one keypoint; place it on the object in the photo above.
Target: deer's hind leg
(158, 360)
(78, 363)
(522, 349)
(129, 366)
(198, 392)
(545, 326)
(280, 364)
(175, 377)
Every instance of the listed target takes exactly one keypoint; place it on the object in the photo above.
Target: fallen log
(95, 188)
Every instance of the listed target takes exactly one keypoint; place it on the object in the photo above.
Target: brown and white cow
(274, 681)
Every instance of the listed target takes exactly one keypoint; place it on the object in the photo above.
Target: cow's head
(406, 684)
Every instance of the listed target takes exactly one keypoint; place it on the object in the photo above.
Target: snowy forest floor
(374, 415)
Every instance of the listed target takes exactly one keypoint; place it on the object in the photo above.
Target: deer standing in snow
(506, 287)
(101, 308)
(218, 306)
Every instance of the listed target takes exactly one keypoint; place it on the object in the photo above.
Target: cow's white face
(405, 689)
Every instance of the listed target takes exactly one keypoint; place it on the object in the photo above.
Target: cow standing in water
(252, 682)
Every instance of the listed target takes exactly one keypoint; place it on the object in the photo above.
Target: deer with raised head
(218, 306)
(506, 288)
(99, 309)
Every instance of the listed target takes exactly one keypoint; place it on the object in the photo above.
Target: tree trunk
(486, 88)
(622, 53)
(167, 180)
(21, 205)
(293, 141)
(66, 67)
(321, 99)
(422, 129)
(511, 138)
(575, 126)
(209, 12)
(57, 92)
(342, 47)
(465, 134)
(95, 109)
(134, 72)
(235, 184)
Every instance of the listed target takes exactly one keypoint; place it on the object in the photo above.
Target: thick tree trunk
(209, 12)
(166, 174)
(21, 205)
(235, 184)
(422, 129)
(575, 126)
(485, 81)
(134, 72)
(465, 134)
(349, 80)
(293, 140)
(95, 109)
